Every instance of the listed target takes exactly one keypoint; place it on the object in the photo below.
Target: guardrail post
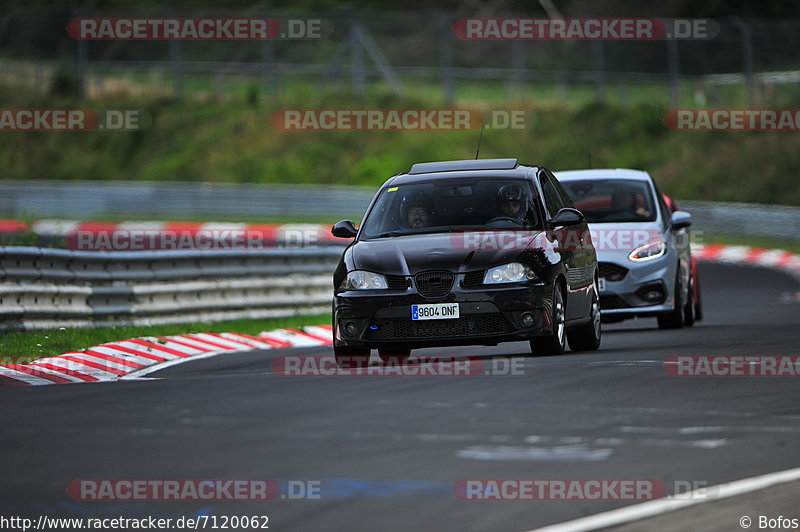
(674, 73)
(175, 62)
(518, 58)
(357, 71)
(443, 24)
(598, 63)
(268, 78)
(747, 57)
(83, 62)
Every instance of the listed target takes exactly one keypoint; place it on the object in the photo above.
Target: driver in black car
(512, 201)
(416, 209)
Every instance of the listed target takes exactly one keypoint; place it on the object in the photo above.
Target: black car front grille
(473, 279)
(434, 284)
(478, 325)
(396, 282)
(611, 271)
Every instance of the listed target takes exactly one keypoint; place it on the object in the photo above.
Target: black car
(465, 253)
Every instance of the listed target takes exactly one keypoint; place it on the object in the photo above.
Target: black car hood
(411, 254)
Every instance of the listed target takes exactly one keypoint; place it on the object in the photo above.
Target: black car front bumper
(487, 316)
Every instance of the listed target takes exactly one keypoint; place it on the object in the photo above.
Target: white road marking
(136, 375)
(561, 453)
(648, 509)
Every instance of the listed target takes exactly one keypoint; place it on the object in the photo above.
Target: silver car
(642, 247)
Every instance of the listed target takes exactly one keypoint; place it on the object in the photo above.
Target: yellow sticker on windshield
(391, 189)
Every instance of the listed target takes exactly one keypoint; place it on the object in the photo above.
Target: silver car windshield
(612, 200)
(449, 205)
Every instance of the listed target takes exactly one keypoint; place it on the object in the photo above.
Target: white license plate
(438, 311)
(601, 284)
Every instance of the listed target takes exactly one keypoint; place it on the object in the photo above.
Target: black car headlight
(364, 280)
(513, 272)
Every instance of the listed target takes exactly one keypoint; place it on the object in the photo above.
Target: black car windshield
(448, 205)
(612, 200)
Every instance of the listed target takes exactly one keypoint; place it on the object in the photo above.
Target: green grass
(233, 140)
(19, 347)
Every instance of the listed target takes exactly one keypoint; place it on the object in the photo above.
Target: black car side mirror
(680, 220)
(566, 217)
(344, 229)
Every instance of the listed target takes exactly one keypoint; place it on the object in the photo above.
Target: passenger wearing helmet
(512, 201)
(416, 210)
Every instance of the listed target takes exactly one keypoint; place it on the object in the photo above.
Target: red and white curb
(771, 258)
(776, 259)
(138, 356)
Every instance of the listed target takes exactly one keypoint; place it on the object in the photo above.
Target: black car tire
(351, 357)
(587, 337)
(688, 311)
(674, 319)
(554, 343)
(698, 304)
(394, 355)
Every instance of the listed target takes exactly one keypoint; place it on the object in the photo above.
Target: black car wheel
(674, 319)
(688, 311)
(698, 301)
(394, 355)
(351, 357)
(556, 342)
(587, 336)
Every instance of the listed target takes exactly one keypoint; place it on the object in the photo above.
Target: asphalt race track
(388, 450)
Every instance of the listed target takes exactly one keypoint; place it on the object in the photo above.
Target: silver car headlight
(509, 273)
(363, 280)
(649, 251)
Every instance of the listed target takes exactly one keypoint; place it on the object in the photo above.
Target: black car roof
(483, 168)
(468, 164)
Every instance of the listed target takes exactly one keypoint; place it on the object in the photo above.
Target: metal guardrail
(90, 199)
(45, 288)
(746, 219)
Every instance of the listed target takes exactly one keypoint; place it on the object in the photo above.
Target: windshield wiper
(407, 233)
(391, 233)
